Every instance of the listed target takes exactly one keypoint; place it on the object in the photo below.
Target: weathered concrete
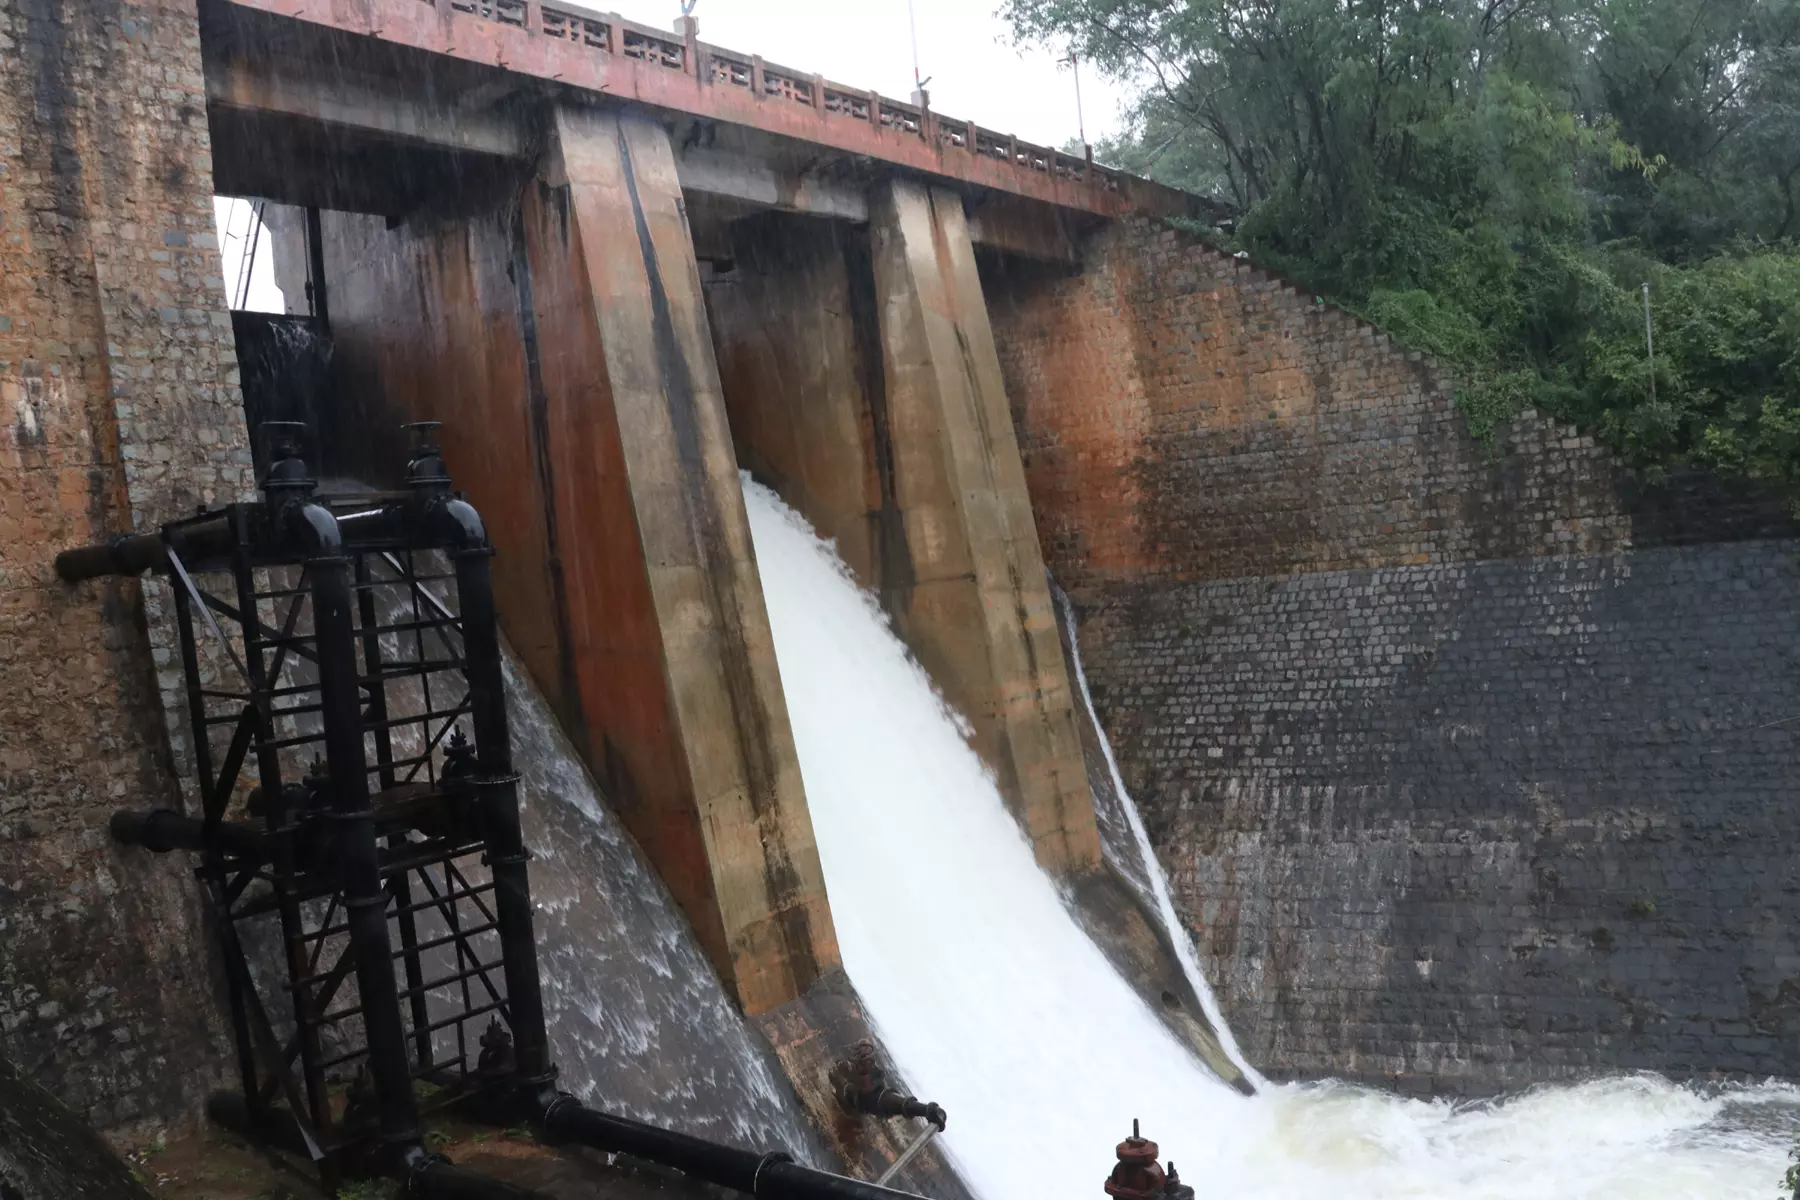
(48, 1153)
(321, 116)
(682, 78)
(812, 1034)
(862, 384)
(567, 350)
(794, 327)
(636, 280)
(978, 610)
(1461, 782)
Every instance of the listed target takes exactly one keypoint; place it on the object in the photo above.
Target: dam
(949, 606)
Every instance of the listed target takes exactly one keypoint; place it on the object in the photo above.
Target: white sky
(964, 49)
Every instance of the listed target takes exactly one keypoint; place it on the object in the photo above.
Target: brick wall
(1184, 415)
(1469, 769)
(120, 409)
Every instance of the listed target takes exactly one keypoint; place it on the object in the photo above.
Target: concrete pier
(584, 404)
(863, 384)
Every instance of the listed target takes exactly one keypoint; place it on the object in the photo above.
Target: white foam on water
(997, 1006)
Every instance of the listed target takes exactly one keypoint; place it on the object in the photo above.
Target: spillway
(996, 1005)
(638, 1019)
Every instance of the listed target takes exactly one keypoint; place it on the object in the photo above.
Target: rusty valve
(861, 1086)
(1137, 1175)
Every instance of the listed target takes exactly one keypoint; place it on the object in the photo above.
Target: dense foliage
(1496, 180)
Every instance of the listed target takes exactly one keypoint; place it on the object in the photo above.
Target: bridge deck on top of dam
(571, 50)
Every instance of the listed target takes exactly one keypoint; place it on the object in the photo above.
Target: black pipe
(427, 1176)
(163, 830)
(496, 783)
(358, 854)
(771, 1176)
(887, 1102)
(202, 544)
(127, 554)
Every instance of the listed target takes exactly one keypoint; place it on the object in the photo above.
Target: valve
(496, 1061)
(288, 475)
(425, 470)
(1173, 1188)
(1137, 1175)
(861, 1086)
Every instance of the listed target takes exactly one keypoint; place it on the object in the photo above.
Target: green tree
(1494, 180)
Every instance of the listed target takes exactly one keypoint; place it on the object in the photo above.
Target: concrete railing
(717, 67)
(572, 48)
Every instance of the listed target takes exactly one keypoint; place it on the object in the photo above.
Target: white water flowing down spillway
(997, 1006)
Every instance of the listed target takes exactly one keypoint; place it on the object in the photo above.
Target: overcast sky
(964, 49)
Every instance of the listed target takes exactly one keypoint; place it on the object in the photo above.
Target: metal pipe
(358, 854)
(163, 830)
(201, 542)
(128, 554)
(427, 1176)
(496, 783)
(772, 1176)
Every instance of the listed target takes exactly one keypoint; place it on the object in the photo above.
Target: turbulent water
(998, 1007)
(639, 1022)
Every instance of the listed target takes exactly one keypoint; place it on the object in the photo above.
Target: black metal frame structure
(353, 640)
(388, 840)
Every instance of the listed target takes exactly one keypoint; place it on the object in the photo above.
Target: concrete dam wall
(1466, 765)
(1469, 766)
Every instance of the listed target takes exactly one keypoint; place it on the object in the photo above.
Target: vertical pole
(1080, 119)
(398, 887)
(912, 21)
(315, 265)
(280, 824)
(212, 871)
(358, 857)
(1649, 343)
(190, 663)
(499, 799)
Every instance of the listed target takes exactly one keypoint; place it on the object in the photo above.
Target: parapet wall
(1464, 773)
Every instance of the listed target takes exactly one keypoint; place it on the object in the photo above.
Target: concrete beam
(603, 55)
(306, 114)
(689, 702)
(1027, 229)
(346, 98)
(758, 181)
(862, 383)
(980, 614)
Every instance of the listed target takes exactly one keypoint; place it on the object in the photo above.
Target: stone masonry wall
(1185, 415)
(118, 394)
(1468, 769)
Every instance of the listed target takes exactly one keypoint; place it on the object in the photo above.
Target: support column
(662, 626)
(978, 613)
